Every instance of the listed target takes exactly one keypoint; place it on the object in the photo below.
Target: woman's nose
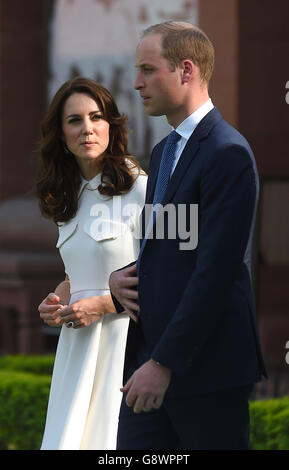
(87, 127)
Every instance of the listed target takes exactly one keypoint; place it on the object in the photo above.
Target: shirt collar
(187, 127)
(90, 184)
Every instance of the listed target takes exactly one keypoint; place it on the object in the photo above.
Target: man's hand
(122, 285)
(147, 386)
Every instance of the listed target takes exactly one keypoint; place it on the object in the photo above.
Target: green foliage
(270, 424)
(23, 404)
(24, 390)
(35, 364)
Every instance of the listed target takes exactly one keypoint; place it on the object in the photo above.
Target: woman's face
(84, 129)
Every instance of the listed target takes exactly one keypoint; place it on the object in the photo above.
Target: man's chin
(153, 112)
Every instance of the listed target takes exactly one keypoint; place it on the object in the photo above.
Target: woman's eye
(71, 121)
(96, 117)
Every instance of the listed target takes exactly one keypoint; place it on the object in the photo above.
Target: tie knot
(173, 137)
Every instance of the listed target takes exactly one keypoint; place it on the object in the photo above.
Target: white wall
(97, 39)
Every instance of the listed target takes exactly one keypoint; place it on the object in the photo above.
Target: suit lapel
(192, 146)
(189, 152)
(151, 184)
(202, 130)
(153, 172)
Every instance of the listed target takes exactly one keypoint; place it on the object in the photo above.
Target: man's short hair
(181, 40)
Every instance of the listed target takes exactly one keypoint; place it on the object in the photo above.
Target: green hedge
(35, 364)
(24, 390)
(23, 404)
(270, 424)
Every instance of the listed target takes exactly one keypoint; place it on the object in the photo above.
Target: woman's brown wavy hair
(59, 176)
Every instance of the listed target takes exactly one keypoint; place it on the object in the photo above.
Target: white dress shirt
(187, 127)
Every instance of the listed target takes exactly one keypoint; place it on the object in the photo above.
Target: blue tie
(166, 166)
(168, 157)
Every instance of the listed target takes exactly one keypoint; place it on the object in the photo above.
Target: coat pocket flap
(105, 229)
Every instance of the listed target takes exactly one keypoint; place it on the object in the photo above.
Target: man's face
(159, 86)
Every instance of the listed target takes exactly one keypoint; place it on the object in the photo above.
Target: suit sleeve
(228, 193)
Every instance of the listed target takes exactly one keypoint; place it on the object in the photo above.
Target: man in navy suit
(193, 352)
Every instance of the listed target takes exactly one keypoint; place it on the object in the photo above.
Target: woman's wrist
(102, 304)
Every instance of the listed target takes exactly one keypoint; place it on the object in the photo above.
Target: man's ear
(188, 70)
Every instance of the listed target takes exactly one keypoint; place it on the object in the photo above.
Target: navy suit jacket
(197, 314)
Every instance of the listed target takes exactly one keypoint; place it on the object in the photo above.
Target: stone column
(23, 76)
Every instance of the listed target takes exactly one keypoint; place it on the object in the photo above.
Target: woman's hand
(85, 311)
(49, 310)
(81, 313)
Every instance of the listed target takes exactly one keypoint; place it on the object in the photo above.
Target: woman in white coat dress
(94, 191)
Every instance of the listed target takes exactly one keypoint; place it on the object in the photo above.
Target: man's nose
(139, 83)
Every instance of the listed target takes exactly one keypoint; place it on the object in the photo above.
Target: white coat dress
(85, 392)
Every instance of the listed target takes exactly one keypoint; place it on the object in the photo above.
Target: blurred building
(45, 42)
